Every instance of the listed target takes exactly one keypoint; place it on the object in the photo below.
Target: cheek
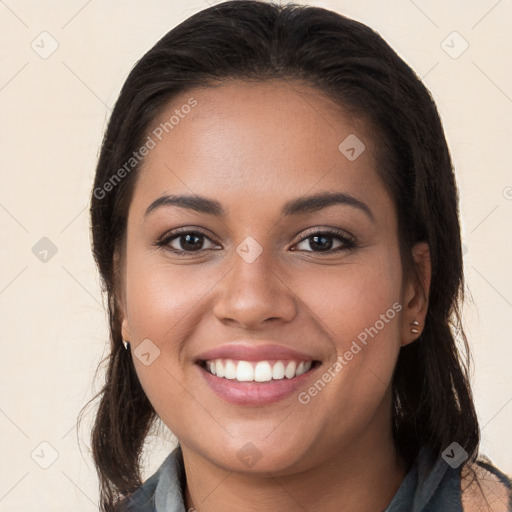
(358, 307)
(161, 298)
(353, 296)
(162, 301)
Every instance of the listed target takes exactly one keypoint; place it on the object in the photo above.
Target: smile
(256, 371)
(256, 383)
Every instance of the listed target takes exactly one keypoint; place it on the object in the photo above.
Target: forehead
(257, 140)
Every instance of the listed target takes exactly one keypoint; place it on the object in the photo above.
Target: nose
(251, 294)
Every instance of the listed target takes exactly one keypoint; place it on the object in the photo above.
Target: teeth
(244, 371)
(219, 368)
(230, 370)
(262, 371)
(290, 370)
(278, 371)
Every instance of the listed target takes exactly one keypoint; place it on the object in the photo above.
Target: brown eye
(186, 242)
(323, 242)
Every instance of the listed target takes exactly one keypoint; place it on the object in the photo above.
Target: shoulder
(484, 488)
(161, 491)
(142, 499)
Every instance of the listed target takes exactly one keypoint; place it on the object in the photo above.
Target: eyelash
(348, 242)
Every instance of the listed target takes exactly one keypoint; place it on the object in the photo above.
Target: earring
(125, 343)
(413, 330)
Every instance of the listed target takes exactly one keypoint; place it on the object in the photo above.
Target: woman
(275, 221)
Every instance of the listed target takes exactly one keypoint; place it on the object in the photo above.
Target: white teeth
(219, 369)
(262, 371)
(290, 370)
(244, 371)
(278, 371)
(230, 370)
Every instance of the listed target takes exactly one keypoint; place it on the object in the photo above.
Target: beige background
(53, 113)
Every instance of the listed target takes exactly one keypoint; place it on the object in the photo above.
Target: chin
(256, 457)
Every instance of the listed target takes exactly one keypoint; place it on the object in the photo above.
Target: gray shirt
(425, 488)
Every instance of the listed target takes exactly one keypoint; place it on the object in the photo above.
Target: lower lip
(255, 393)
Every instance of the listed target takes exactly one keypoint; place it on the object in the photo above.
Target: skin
(252, 147)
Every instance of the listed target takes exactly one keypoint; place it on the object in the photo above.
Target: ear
(120, 297)
(125, 329)
(415, 298)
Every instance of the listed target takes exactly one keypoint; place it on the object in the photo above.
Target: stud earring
(125, 343)
(413, 330)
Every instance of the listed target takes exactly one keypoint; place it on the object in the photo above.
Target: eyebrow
(301, 205)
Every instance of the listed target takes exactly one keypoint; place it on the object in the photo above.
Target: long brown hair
(354, 66)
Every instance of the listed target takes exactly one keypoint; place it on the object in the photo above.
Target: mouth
(256, 373)
(264, 371)
(256, 383)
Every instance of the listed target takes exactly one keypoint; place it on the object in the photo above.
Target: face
(321, 281)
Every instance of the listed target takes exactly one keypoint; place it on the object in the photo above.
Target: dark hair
(355, 67)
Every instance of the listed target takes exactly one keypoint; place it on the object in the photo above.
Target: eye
(185, 241)
(322, 241)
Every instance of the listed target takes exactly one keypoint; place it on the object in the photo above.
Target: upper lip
(248, 351)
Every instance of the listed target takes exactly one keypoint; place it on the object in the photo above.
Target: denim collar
(431, 485)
